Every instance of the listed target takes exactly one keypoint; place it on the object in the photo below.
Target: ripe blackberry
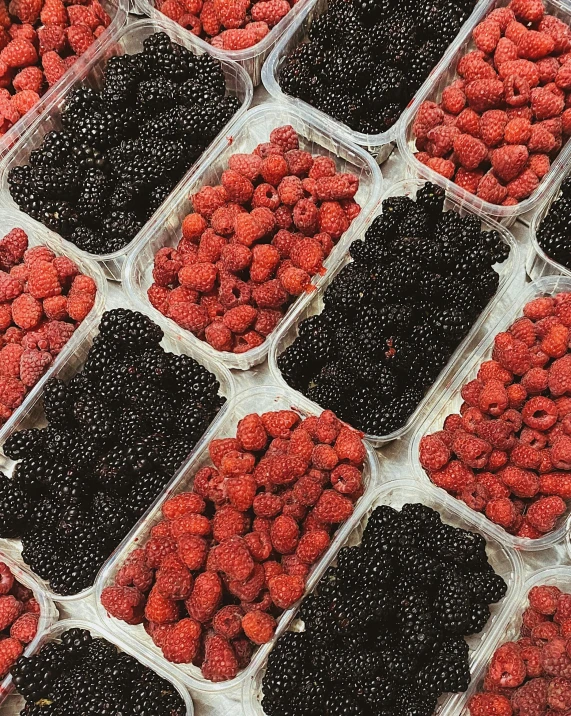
(56, 150)
(14, 507)
(121, 75)
(486, 586)
(86, 239)
(129, 328)
(22, 443)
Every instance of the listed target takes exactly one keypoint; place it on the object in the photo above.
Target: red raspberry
(528, 10)
(33, 364)
(524, 330)
(492, 370)
(19, 53)
(453, 100)
(471, 450)
(251, 433)
(559, 694)
(192, 550)
(349, 446)
(239, 319)
(543, 513)
(322, 167)
(81, 15)
(299, 162)
(563, 613)
(273, 169)
(531, 698)
(198, 276)
(228, 621)
(258, 626)
(194, 225)
(340, 186)
(492, 127)
(429, 115)
(493, 399)
(284, 534)
(524, 456)
(468, 122)
(290, 190)
(234, 559)
(306, 216)
(24, 628)
(124, 603)
(486, 36)
(217, 449)
(545, 104)
(442, 166)
(205, 598)
(312, 545)
(286, 589)
(509, 161)
(157, 549)
(559, 31)
(210, 198)
(332, 219)
(559, 376)
(228, 522)
(441, 140)
(534, 45)
(518, 131)
(511, 353)
(307, 490)
(555, 342)
(489, 705)
(539, 413)
(554, 660)
(189, 316)
(183, 504)
(267, 504)
(14, 244)
(507, 669)
(501, 511)
(492, 484)
(79, 305)
(6, 578)
(346, 479)
(182, 641)
(541, 141)
(307, 254)
(220, 663)
(561, 453)
(259, 544)
(332, 507)
(267, 149)
(12, 392)
(556, 483)
(484, 94)
(285, 137)
(174, 582)
(468, 180)
(544, 599)
(135, 572)
(80, 38)
(10, 357)
(267, 321)
(247, 590)
(454, 477)
(522, 483)
(190, 524)
(10, 287)
(10, 651)
(506, 51)
(490, 189)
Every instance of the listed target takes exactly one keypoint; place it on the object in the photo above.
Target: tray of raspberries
(400, 618)
(387, 330)
(492, 126)
(39, 42)
(214, 570)
(258, 225)
(527, 669)
(506, 451)
(550, 234)
(26, 613)
(106, 155)
(50, 300)
(81, 668)
(122, 417)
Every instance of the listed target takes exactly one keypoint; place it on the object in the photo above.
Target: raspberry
(486, 35)
(490, 189)
(543, 513)
(205, 598)
(493, 399)
(506, 51)
(492, 484)
(559, 31)
(234, 559)
(340, 186)
(522, 483)
(517, 131)
(299, 162)
(528, 10)
(471, 450)
(312, 545)
(81, 15)
(239, 319)
(43, 280)
(545, 104)
(484, 94)
(157, 549)
(534, 45)
(191, 524)
(544, 599)
(555, 483)
(559, 694)
(14, 244)
(259, 544)
(492, 127)
(258, 626)
(10, 650)
(332, 507)
(524, 456)
(192, 550)
(285, 137)
(124, 603)
(539, 413)
(10, 287)
(33, 364)
(267, 149)
(198, 276)
(498, 433)
(307, 490)
(531, 698)
(228, 522)
(468, 122)
(442, 166)
(248, 589)
(349, 446)
(509, 161)
(135, 572)
(489, 705)
(554, 660)
(332, 219)
(24, 628)
(286, 589)
(273, 169)
(80, 38)
(561, 453)
(19, 53)
(555, 342)
(220, 663)
(173, 583)
(346, 479)
(183, 504)
(217, 449)
(468, 180)
(454, 477)
(563, 612)
(307, 254)
(181, 641)
(507, 668)
(501, 511)
(228, 621)
(284, 534)
(492, 370)
(10, 357)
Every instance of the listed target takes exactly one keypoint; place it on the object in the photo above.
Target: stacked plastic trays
(253, 127)
(126, 40)
(117, 10)
(313, 304)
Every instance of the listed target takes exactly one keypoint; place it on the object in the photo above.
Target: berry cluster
(43, 298)
(532, 676)
(508, 452)
(500, 124)
(253, 243)
(384, 631)
(19, 616)
(82, 674)
(39, 41)
(554, 233)
(395, 314)
(276, 493)
(124, 148)
(116, 434)
(365, 59)
(227, 24)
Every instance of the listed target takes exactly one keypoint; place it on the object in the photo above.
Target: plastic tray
(251, 58)
(98, 631)
(288, 331)
(126, 40)
(33, 416)
(450, 401)
(553, 576)
(253, 127)
(262, 399)
(432, 90)
(506, 562)
(117, 10)
(379, 145)
(48, 614)
(39, 234)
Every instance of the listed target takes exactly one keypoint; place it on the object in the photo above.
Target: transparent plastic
(117, 10)
(252, 128)
(559, 576)
(126, 40)
(287, 332)
(538, 263)
(261, 399)
(379, 145)
(38, 234)
(33, 416)
(96, 630)
(450, 400)
(505, 562)
(48, 614)
(432, 91)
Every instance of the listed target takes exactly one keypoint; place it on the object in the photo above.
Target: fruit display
(117, 433)
(383, 632)
(123, 148)
(227, 558)
(227, 24)
(393, 316)
(253, 243)
(507, 453)
(19, 617)
(39, 41)
(364, 61)
(530, 674)
(554, 232)
(85, 674)
(43, 299)
(499, 125)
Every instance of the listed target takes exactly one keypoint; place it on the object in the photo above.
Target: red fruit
(284, 534)
(312, 545)
(258, 626)
(528, 10)
(544, 513)
(228, 621)
(501, 510)
(80, 38)
(489, 705)
(507, 668)
(486, 36)
(286, 589)
(135, 572)
(492, 127)
(509, 161)
(205, 598)
(220, 663)
(181, 642)
(484, 94)
(125, 603)
(332, 507)
(470, 151)
(489, 189)
(544, 599)
(234, 559)
(522, 483)
(10, 651)
(25, 627)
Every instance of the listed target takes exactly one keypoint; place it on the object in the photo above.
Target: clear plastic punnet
(538, 263)
(251, 129)
(117, 10)
(379, 145)
(287, 332)
(432, 91)
(449, 401)
(98, 631)
(48, 614)
(126, 40)
(559, 576)
(259, 400)
(33, 416)
(38, 234)
(506, 562)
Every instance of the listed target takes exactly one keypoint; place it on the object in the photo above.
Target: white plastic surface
(260, 400)
(504, 560)
(251, 129)
(126, 40)
(313, 304)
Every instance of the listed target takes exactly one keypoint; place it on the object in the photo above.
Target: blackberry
(23, 443)
(129, 328)
(14, 507)
(121, 75)
(158, 93)
(452, 604)
(486, 586)
(56, 150)
(87, 239)
(446, 673)
(88, 157)
(120, 227)
(92, 201)
(479, 615)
